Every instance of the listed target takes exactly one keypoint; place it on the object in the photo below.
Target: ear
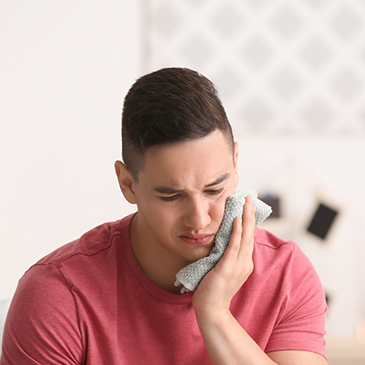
(235, 162)
(126, 182)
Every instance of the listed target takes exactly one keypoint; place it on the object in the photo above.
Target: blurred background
(292, 78)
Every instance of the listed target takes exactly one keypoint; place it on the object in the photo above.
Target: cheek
(217, 208)
(161, 217)
(220, 204)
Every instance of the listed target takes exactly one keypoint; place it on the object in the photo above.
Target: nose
(197, 215)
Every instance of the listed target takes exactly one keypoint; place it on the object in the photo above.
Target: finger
(248, 227)
(234, 244)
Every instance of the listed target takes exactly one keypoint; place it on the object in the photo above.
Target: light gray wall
(65, 67)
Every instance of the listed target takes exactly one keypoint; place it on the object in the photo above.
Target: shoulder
(283, 262)
(62, 269)
(83, 263)
(48, 303)
(289, 285)
(268, 240)
(270, 249)
(43, 310)
(91, 243)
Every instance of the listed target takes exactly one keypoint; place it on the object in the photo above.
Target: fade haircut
(168, 106)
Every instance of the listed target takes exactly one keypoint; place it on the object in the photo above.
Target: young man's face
(181, 195)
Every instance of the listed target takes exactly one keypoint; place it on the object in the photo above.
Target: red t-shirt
(89, 302)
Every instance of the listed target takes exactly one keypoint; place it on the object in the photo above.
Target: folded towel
(191, 275)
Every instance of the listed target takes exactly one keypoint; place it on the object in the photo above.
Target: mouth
(197, 239)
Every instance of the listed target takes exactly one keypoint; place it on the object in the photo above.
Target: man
(109, 297)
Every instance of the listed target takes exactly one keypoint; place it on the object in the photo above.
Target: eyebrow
(169, 190)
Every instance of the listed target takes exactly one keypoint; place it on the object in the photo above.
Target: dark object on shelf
(328, 299)
(322, 221)
(274, 203)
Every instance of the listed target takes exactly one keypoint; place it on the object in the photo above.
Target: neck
(155, 261)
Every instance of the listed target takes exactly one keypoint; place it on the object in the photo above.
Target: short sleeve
(301, 322)
(42, 323)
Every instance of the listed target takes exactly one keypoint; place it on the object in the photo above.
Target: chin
(203, 252)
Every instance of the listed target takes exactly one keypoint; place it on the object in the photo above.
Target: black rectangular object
(322, 221)
(274, 203)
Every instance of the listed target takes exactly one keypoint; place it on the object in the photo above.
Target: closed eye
(177, 196)
(215, 191)
(169, 198)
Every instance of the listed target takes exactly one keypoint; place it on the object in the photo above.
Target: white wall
(303, 172)
(65, 67)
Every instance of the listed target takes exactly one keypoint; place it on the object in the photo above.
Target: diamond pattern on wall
(167, 21)
(227, 21)
(257, 113)
(257, 52)
(258, 3)
(318, 3)
(270, 59)
(316, 53)
(286, 83)
(228, 81)
(197, 50)
(287, 22)
(347, 23)
(317, 114)
(347, 85)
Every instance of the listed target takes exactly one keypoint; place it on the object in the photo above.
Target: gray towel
(191, 275)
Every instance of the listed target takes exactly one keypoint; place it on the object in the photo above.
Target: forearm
(228, 343)
(225, 339)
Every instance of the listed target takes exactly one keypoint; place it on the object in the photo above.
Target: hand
(218, 287)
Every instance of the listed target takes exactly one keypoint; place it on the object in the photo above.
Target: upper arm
(42, 323)
(300, 325)
(297, 358)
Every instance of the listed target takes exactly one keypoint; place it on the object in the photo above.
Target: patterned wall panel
(284, 68)
(280, 66)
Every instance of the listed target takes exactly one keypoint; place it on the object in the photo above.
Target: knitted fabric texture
(191, 275)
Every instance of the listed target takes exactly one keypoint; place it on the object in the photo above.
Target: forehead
(193, 162)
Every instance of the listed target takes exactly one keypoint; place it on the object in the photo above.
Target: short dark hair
(166, 106)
